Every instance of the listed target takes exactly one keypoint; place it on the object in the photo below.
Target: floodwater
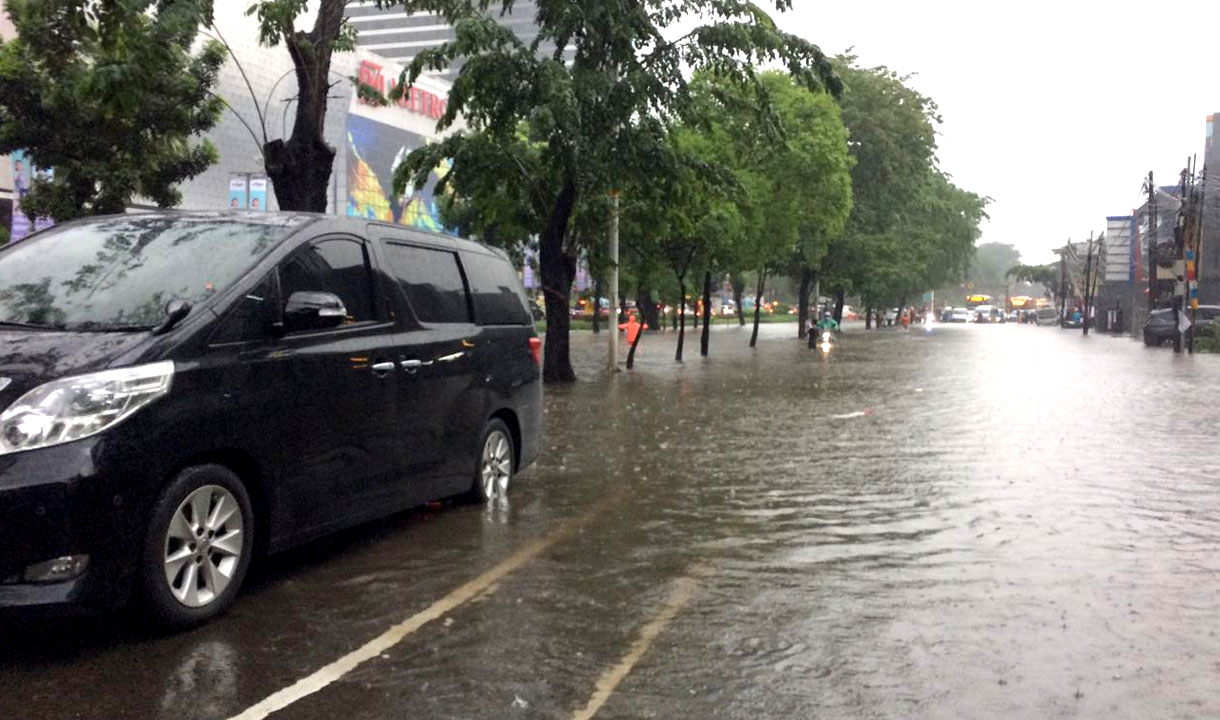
(972, 521)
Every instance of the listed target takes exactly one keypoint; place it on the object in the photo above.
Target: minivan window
(433, 282)
(497, 291)
(251, 315)
(120, 273)
(339, 266)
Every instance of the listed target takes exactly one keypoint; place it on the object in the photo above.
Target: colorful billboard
(374, 150)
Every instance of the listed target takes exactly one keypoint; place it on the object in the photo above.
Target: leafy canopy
(109, 95)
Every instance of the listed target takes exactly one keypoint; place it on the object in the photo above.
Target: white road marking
(679, 597)
(479, 587)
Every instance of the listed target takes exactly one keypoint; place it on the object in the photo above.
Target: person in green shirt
(828, 323)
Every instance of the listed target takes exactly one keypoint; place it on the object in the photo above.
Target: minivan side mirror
(313, 311)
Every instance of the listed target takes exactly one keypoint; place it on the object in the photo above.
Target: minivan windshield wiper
(105, 327)
(29, 326)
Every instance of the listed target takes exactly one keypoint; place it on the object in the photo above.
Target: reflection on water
(977, 520)
(203, 684)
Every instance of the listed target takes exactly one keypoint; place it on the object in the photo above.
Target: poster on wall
(258, 193)
(374, 150)
(238, 191)
(24, 174)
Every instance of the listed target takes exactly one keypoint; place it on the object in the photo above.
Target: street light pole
(613, 347)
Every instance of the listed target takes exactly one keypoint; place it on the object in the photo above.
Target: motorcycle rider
(825, 324)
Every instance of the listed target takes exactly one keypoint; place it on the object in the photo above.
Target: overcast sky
(1056, 110)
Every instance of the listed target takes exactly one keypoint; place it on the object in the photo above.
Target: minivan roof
(292, 220)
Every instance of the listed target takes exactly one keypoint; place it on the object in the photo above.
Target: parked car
(184, 393)
(1160, 327)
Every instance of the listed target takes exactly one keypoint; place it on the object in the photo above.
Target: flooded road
(977, 521)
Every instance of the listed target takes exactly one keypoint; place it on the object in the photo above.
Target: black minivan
(183, 392)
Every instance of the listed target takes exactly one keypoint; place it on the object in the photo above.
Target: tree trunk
(300, 167)
(648, 309)
(706, 338)
(557, 269)
(597, 305)
(840, 298)
(803, 300)
(739, 287)
(762, 282)
(634, 344)
(681, 318)
(868, 317)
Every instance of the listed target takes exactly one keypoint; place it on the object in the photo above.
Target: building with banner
(369, 140)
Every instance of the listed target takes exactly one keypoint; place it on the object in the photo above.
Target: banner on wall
(238, 191)
(24, 174)
(258, 193)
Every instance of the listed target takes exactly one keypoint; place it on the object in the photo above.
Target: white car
(961, 315)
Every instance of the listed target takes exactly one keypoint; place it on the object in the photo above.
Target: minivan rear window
(433, 282)
(119, 273)
(498, 297)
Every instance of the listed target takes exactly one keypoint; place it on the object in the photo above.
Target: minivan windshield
(120, 273)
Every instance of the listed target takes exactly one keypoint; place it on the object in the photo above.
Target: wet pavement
(977, 521)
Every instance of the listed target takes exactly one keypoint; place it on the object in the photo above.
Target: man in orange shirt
(633, 328)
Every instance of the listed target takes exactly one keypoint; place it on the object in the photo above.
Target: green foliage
(910, 228)
(598, 123)
(109, 95)
(991, 263)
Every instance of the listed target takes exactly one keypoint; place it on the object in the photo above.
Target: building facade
(369, 140)
(399, 36)
(1209, 250)
(7, 31)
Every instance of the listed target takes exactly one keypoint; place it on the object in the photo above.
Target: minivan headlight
(75, 407)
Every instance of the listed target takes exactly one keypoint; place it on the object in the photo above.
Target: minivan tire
(494, 468)
(206, 594)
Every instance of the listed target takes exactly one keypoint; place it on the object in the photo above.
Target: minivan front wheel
(198, 546)
(496, 462)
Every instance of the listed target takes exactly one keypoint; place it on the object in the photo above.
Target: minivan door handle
(382, 368)
(413, 365)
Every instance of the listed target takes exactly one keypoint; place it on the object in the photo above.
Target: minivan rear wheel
(494, 473)
(198, 546)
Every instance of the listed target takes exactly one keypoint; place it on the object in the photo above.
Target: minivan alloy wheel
(496, 465)
(203, 545)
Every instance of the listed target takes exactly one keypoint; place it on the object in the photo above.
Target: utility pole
(1088, 283)
(1063, 283)
(613, 313)
(1150, 186)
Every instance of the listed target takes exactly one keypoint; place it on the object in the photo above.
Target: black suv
(1160, 328)
(181, 393)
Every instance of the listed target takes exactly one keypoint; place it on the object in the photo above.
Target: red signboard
(416, 100)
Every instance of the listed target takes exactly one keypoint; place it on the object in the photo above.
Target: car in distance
(182, 393)
(961, 315)
(1046, 316)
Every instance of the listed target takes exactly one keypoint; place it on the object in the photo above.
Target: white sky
(1056, 110)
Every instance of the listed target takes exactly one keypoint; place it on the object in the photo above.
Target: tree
(602, 118)
(910, 228)
(109, 96)
(989, 269)
(300, 166)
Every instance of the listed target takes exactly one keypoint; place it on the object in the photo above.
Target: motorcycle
(823, 340)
